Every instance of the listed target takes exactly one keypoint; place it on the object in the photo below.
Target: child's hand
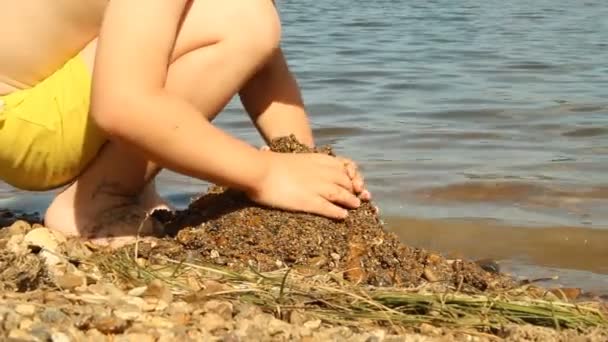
(354, 174)
(357, 179)
(309, 182)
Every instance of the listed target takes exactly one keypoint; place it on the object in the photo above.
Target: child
(100, 95)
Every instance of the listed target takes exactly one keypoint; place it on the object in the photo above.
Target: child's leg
(212, 59)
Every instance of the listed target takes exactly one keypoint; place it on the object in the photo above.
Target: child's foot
(106, 219)
(122, 225)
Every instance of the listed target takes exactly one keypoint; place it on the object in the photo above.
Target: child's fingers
(365, 195)
(353, 173)
(324, 207)
(350, 166)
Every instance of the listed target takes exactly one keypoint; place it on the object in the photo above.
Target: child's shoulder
(42, 35)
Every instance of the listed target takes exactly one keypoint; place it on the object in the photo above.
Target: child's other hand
(309, 182)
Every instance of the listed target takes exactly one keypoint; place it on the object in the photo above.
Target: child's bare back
(40, 36)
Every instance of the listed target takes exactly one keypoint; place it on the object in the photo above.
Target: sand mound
(223, 226)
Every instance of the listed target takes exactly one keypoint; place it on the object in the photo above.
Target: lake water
(481, 126)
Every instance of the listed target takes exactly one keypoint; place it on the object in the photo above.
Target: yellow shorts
(47, 137)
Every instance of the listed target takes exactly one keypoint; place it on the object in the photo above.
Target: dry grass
(333, 300)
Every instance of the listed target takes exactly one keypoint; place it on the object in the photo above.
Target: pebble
(94, 335)
(106, 289)
(69, 281)
(26, 324)
(91, 298)
(194, 284)
(40, 331)
(11, 321)
(313, 325)
(135, 301)
(297, 317)
(434, 259)
(137, 291)
(212, 321)
(489, 265)
(47, 240)
(221, 261)
(110, 325)
(27, 310)
(334, 334)
(161, 306)
(159, 290)
(15, 245)
(20, 335)
(378, 335)
(247, 330)
(60, 337)
(246, 311)
(141, 262)
(318, 262)
(430, 275)
(212, 286)
(18, 227)
(135, 337)
(170, 336)
(149, 307)
(128, 312)
(277, 326)
(231, 337)
(567, 293)
(428, 329)
(179, 307)
(181, 318)
(221, 308)
(160, 322)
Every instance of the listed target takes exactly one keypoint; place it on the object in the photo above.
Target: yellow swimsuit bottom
(47, 137)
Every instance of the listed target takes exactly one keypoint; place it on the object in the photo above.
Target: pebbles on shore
(90, 309)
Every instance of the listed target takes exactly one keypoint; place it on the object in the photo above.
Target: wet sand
(576, 255)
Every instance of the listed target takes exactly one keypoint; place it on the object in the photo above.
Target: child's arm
(130, 103)
(273, 100)
(129, 100)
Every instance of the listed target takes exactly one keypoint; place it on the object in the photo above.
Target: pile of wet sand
(224, 227)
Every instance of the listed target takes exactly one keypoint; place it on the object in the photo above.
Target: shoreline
(88, 293)
(548, 246)
(571, 254)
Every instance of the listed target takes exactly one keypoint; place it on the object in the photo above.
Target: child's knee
(257, 28)
(251, 27)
